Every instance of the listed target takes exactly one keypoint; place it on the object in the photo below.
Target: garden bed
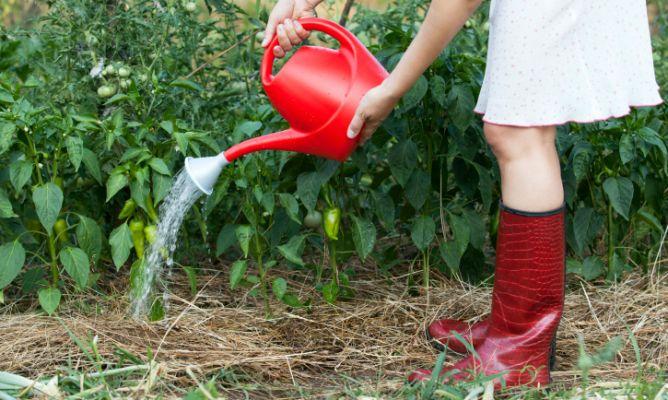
(373, 340)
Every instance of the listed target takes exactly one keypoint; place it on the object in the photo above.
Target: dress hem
(529, 125)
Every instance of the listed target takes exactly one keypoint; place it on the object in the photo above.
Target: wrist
(392, 89)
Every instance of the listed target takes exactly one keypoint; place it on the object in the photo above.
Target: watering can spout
(204, 171)
(287, 140)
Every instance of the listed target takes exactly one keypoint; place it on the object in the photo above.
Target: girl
(549, 62)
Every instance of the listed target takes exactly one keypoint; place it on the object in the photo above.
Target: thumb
(269, 32)
(356, 125)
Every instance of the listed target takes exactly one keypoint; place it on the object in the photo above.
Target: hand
(374, 107)
(282, 21)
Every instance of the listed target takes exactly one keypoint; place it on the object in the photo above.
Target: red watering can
(317, 91)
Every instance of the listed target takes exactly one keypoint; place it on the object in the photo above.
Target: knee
(511, 143)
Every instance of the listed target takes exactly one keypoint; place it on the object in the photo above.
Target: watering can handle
(344, 37)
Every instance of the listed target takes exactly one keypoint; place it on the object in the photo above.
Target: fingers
(290, 33)
(356, 125)
(368, 130)
(303, 33)
(283, 39)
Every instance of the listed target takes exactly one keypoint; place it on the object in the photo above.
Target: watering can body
(317, 91)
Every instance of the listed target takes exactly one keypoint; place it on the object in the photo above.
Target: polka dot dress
(554, 61)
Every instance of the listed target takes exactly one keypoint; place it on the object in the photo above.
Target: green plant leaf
(476, 228)
(5, 96)
(418, 188)
(462, 102)
(159, 166)
(6, 210)
(89, 237)
(423, 232)
(161, 186)
(19, 173)
(384, 208)
(237, 272)
(415, 94)
(244, 233)
(187, 84)
(450, 254)
(626, 149)
(48, 199)
(226, 238)
(290, 205)
(308, 188)
(12, 258)
(74, 146)
(280, 287)
(76, 264)
(330, 292)
(461, 232)
(364, 236)
(403, 160)
(586, 225)
(92, 165)
(438, 91)
(581, 157)
(49, 299)
(620, 194)
(7, 131)
(116, 182)
(191, 273)
(120, 241)
(292, 251)
(592, 268)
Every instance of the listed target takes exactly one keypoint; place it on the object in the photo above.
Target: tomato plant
(99, 105)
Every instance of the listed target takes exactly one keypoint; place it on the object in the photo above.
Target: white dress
(554, 61)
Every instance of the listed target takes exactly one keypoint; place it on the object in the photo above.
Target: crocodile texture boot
(440, 334)
(527, 303)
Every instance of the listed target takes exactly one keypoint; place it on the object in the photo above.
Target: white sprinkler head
(204, 171)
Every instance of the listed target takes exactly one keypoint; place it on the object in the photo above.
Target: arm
(443, 21)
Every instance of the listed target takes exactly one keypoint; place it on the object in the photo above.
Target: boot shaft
(530, 265)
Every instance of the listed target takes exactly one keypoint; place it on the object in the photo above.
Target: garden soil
(372, 341)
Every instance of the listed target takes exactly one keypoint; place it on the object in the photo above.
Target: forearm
(443, 20)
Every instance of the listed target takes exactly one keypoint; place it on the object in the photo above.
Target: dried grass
(377, 337)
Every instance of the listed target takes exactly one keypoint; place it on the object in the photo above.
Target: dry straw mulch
(377, 337)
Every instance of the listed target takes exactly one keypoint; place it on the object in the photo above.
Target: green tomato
(124, 72)
(105, 91)
(191, 6)
(313, 219)
(125, 83)
(109, 70)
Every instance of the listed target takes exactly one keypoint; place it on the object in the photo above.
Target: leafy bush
(100, 104)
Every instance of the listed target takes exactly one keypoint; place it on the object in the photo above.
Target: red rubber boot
(440, 334)
(527, 302)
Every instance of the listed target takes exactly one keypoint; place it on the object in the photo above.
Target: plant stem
(345, 12)
(611, 248)
(332, 262)
(200, 223)
(262, 273)
(425, 270)
(54, 260)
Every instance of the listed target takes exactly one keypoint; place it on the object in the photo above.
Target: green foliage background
(425, 188)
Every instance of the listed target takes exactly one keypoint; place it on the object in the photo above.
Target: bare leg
(529, 165)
